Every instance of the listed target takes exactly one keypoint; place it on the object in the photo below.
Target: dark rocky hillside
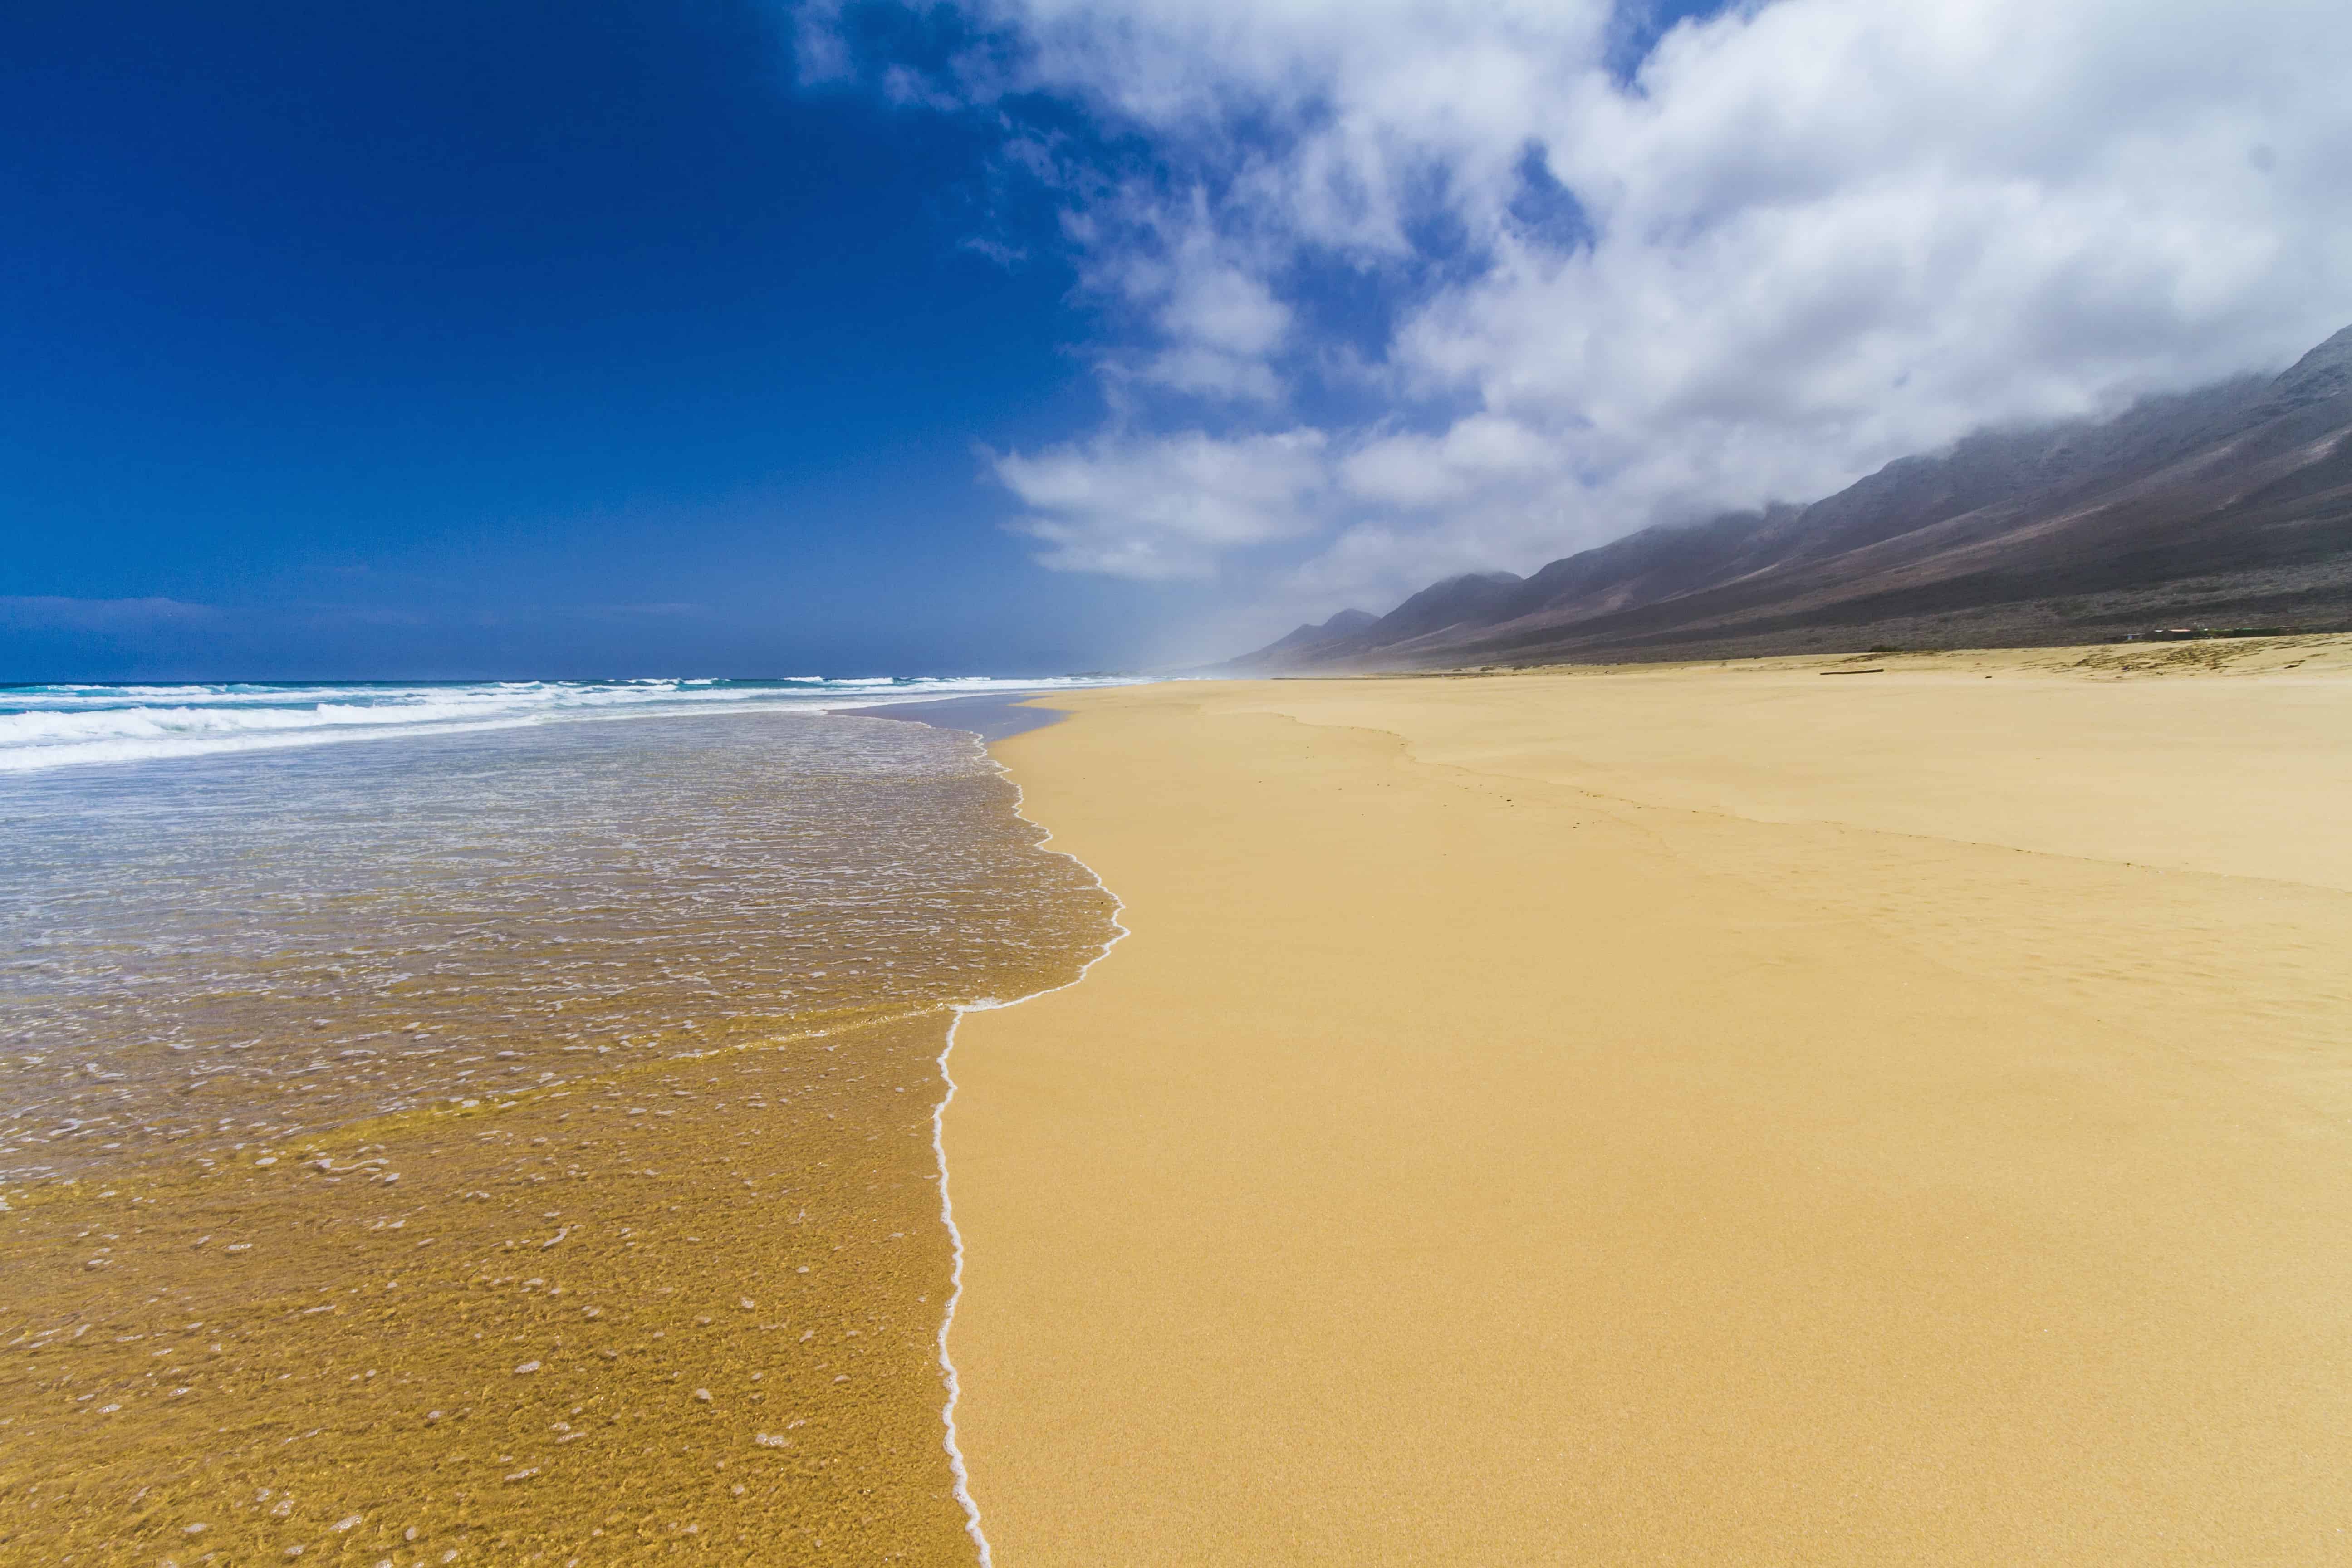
(2226, 507)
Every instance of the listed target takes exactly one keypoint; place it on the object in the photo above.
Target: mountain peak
(2324, 372)
(1314, 638)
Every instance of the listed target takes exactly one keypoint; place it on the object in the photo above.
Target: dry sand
(1682, 1115)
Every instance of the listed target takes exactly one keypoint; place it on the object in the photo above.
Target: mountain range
(2225, 508)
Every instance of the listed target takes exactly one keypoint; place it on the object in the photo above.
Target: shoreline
(1119, 932)
(694, 1296)
(662, 1377)
(1362, 1210)
(991, 717)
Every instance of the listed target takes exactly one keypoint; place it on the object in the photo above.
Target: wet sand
(514, 1149)
(689, 1307)
(992, 717)
(1681, 1115)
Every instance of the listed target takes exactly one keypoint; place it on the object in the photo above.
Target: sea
(237, 913)
(249, 928)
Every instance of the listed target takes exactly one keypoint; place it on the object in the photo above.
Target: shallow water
(497, 1143)
(211, 953)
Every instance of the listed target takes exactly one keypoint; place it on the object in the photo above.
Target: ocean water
(67, 725)
(214, 934)
(508, 1139)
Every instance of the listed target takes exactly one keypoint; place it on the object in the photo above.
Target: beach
(691, 1305)
(1868, 1110)
(1149, 786)
(504, 1145)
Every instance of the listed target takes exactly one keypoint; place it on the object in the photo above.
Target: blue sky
(465, 339)
(1031, 335)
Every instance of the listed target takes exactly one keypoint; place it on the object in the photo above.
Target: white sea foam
(947, 1206)
(71, 725)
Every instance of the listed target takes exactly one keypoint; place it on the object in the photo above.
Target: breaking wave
(67, 725)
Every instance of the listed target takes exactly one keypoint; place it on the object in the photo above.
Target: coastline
(1684, 1113)
(998, 725)
(649, 1306)
(992, 718)
(679, 1283)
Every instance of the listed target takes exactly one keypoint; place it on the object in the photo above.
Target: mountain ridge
(2231, 503)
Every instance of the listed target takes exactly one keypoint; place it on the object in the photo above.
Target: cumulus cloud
(1220, 324)
(1166, 506)
(1423, 285)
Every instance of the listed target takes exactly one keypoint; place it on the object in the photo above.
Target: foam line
(62, 726)
(939, 1150)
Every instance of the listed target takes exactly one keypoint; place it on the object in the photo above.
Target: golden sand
(1682, 1114)
(689, 1308)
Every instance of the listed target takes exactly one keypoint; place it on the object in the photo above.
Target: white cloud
(1818, 235)
(1166, 507)
(1480, 451)
(1222, 324)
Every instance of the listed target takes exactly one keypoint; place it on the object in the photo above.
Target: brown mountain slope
(2225, 507)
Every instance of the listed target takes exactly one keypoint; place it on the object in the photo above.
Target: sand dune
(1687, 1115)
